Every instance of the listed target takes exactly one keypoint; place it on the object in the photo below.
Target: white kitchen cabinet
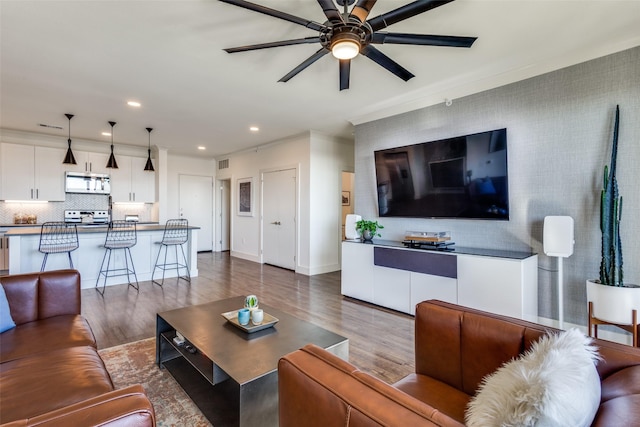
(18, 170)
(131, 183)
(121, 180)
(32, 173)
(49, 174)
(89, 162)
(143, 183)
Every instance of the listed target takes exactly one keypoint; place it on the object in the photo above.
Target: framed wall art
(346, 198)
(245, 196)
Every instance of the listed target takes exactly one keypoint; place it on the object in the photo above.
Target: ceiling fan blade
(310, 60)
(383, 60)
(272, 44)
(345, 71)
(422, 39)
(362, 8)
(404, 12)
(330, 10)
(276, 14)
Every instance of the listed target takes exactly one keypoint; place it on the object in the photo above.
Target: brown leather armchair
(455, 348)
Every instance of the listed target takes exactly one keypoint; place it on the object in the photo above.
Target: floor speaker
(558, 236)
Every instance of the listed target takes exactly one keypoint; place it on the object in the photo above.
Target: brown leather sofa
(50, 370)
(455, 347)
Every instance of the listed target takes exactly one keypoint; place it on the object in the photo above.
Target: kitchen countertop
(39, 224)
(85, 228)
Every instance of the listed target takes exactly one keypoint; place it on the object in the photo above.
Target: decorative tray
(268, 322)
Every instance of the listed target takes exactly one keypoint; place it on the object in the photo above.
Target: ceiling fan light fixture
(348, 34)
(345, 49)
(346, 42)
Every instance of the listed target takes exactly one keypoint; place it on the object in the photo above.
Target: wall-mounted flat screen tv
(460, 177)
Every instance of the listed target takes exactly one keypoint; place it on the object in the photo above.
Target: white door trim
(218, 222)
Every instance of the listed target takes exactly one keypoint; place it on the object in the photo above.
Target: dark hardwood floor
(380, 340)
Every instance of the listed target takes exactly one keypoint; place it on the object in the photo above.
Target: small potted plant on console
(368, 229)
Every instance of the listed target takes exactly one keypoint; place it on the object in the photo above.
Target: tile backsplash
(54, 211)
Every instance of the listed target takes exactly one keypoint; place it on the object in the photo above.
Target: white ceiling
(90, 57)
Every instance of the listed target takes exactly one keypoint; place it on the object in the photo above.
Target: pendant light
(149, 165)
(112, 159)
(69, 159)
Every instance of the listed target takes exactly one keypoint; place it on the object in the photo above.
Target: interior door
(279, 218)
(196, 205)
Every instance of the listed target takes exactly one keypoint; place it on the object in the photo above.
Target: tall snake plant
(610, 215)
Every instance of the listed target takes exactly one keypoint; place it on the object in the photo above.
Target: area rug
(134, 363)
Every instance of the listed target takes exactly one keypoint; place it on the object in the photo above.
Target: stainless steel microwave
(88, 183)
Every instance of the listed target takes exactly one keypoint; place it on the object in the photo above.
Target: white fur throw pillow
(555, 383)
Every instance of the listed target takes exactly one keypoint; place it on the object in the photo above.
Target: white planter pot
(613, 303)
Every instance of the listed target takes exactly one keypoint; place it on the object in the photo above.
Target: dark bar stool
(58, 237)
(120, 235)
(175, 234)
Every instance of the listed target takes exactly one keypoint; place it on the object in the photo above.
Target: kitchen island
(24, 256)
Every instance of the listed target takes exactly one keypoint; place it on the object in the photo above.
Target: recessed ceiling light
(200, 147)
(106, 133)
(133, 104)
(254, 128)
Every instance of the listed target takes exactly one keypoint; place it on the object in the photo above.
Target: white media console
(386, 273)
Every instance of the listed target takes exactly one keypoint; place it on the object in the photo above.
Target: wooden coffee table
(230, 374)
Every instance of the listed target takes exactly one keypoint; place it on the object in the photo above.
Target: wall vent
(50, 126)
(223, 164)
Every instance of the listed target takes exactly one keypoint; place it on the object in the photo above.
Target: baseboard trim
(318, 270)
(248, 257)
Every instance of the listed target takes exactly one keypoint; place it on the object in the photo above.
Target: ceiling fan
(348, 34)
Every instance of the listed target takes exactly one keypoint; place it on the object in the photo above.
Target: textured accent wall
(559, 129)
